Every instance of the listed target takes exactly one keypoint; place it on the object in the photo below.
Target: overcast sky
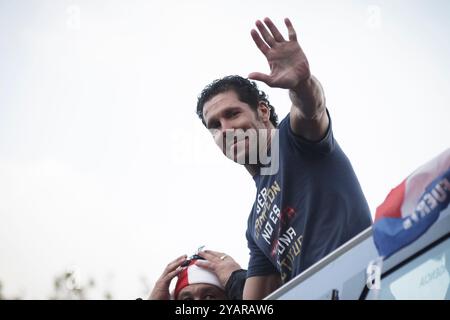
(104, 166)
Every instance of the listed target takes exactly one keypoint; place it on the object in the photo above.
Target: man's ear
(263, 111)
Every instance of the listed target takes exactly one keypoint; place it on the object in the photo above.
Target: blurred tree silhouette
(67, 286)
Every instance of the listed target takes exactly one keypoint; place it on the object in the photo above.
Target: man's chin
(240, 153)
(241, 158)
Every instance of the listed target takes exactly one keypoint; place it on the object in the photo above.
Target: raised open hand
(288, 64)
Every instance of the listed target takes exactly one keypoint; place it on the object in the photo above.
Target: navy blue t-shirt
(308, 208)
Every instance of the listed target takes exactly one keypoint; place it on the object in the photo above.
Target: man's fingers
(260, 77)
(268, 38)
(175, 263)
(214, 253)
(291, 31)
(174, 273)
(275, 32)
(167, 278)
(211, 255)
(204, 264)
(207, 254)
(259, 42)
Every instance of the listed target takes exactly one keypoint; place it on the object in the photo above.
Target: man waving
(310, 202)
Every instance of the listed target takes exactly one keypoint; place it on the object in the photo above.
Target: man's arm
(308, 115)
(257, 288)
(289, 69)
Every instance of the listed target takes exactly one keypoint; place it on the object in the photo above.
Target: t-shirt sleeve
(258, 265)
(324, 146)
(234, 287)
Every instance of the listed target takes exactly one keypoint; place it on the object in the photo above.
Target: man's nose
(225, 125)
(227, 132)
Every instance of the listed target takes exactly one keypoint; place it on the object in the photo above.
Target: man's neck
(253, 169)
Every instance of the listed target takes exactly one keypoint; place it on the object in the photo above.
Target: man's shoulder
(285, 122)
(289, 140)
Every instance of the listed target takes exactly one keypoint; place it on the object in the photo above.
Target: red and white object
(193, 274)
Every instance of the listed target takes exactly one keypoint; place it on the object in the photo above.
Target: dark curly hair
(246, 90)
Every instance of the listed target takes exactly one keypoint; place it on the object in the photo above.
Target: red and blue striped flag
(413, 206)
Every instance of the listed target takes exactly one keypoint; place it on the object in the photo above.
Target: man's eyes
(228, 115)
(233, 114)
